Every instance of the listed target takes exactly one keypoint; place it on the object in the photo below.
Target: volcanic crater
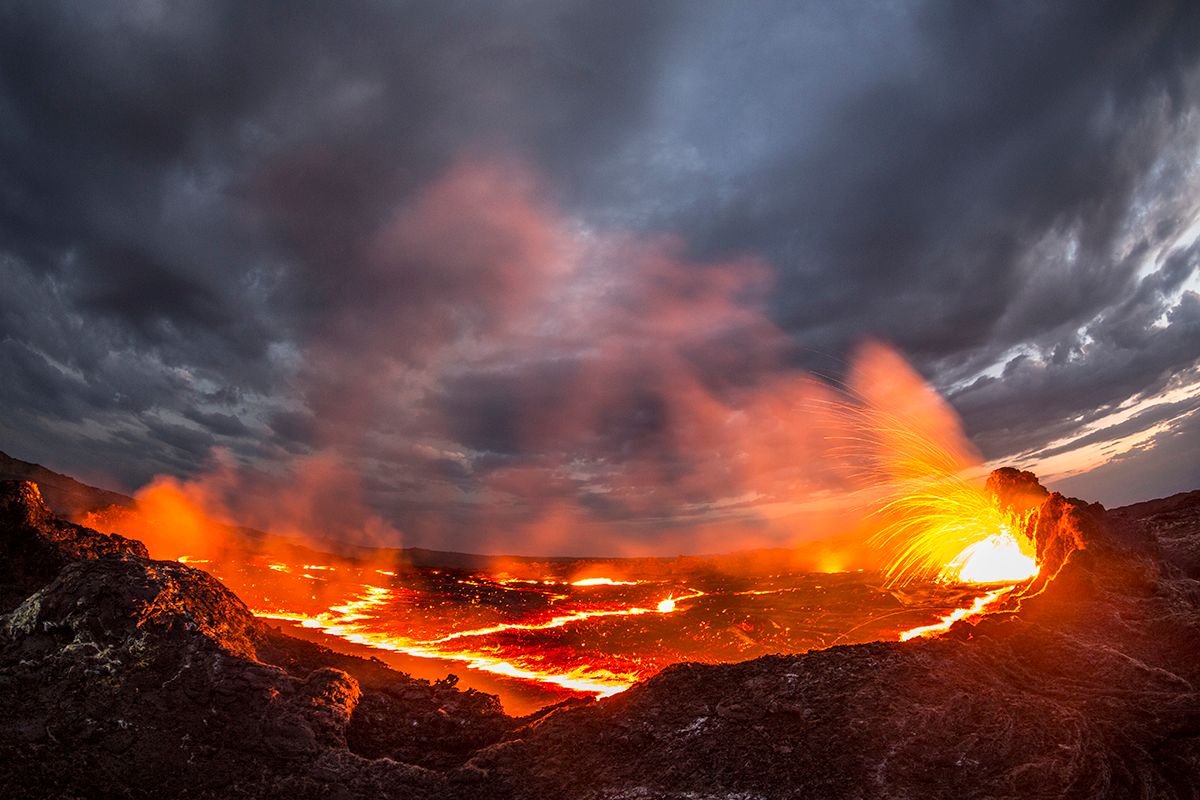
(123, 676)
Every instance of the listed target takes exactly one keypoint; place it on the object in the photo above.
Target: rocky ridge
(63, 494)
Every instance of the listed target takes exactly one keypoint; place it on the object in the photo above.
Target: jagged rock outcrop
(67, 497)
(35, 544)
(1016, 490)
(1059, 526)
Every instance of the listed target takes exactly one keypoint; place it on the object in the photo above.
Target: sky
(559, 276)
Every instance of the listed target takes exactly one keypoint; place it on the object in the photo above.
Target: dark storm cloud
(980, 130)
(1120, 355)
(220, 424)
(481, 251)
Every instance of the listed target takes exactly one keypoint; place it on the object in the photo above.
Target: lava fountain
(945, 529)
(936, 524)
(999, 558)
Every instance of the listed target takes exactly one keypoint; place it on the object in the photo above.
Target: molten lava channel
(351, 622)
(996, 559)
(977, 608)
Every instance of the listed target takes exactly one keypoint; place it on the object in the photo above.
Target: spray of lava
(943, 528)
(936, 523)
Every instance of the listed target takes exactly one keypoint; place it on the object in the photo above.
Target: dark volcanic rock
(66, 496)
(146, 669)
(1173, 523)
(432, 725)
(35, 545)
(125, 677)
(1016, 490)
(1057, 526)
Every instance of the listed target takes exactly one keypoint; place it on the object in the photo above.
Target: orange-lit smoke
(243, 537)
(540, 387)
(887, 440)
(172, 518)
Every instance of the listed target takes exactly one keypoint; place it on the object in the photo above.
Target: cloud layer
(513, 270)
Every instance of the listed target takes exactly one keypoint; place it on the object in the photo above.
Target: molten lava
(978, 607)
(602, 582)
(353, 622)
(997, 559)
(597, 628)
(554, 634)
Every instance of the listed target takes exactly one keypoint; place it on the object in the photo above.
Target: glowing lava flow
(997, 559)
(945, 623)
(664, 607)
(346, 622)
(602, 582)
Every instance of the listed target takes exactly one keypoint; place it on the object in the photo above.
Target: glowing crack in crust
(977, 608)
(346, 622)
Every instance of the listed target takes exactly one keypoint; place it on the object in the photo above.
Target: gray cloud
(399, 233)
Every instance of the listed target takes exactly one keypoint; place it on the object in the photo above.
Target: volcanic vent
(1013, 535)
